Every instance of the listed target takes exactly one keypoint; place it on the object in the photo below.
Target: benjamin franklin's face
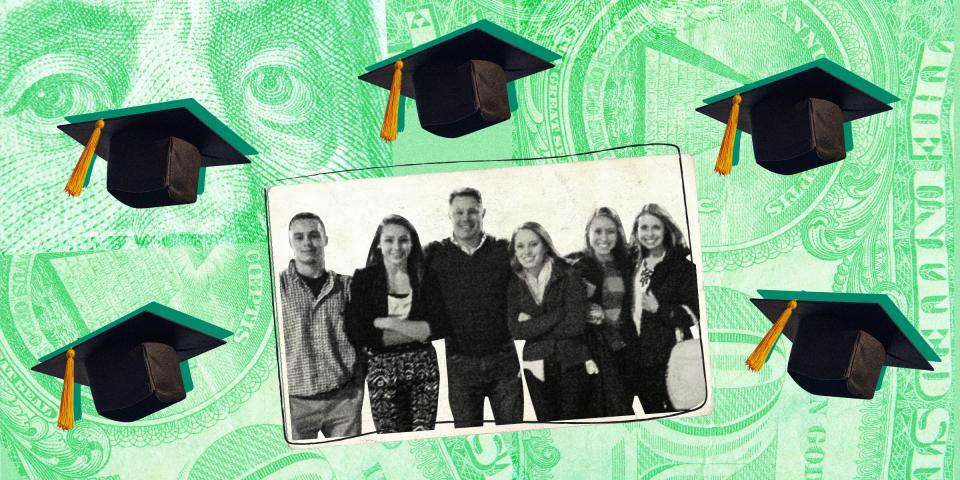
(281, 74)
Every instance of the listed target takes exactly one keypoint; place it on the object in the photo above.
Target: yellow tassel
(389, 130)
(725, 158)
(65, 420)
(79, 176)
(760, 354)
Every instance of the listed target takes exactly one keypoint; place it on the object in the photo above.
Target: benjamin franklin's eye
(49, 99)
(276, 87)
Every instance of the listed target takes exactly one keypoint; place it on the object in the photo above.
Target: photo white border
(282, 202)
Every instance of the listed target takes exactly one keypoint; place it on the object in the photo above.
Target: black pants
(564, 394)
(651, 387)
(649, 382)
(495, 376)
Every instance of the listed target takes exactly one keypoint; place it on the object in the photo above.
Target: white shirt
(640, 283)
(399, 306)
(538, 284)
(467, 248)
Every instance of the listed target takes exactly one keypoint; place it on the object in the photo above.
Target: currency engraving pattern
(282, 74)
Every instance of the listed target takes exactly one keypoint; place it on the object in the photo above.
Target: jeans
(335, 413)
(496, 376)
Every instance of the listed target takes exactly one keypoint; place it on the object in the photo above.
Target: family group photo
(492, 300)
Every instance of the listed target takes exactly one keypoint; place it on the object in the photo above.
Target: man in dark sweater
(473, 270)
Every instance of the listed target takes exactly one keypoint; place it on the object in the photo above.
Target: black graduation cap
(797, 117)
(133, 365)
(843, 341)
(458, 80)
(156, 152)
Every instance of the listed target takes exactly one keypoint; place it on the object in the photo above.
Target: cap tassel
(65, 420)
(79, 176)
(760, 354)
(725, 158)
(389, 130)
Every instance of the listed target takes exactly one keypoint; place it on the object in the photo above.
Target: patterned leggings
(404, 387)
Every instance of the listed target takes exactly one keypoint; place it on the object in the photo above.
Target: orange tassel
(725, 158)
(389, 130)
(760, 354)
(65, 419)
(79, 176)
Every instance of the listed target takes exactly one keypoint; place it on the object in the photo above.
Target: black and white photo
(489, 300)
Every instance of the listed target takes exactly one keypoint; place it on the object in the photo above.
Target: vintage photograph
(488, 300)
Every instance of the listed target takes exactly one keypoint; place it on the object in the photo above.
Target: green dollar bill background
(283, 73)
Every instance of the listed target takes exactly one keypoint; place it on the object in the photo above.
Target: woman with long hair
(393, 314)
(546, 306)
(664, 301)
(604, 264)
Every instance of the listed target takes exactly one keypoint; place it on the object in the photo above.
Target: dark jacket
(674, 284)
(368, 301)
(474, 293)
(591, 271)
(556, 330)
(610, 396)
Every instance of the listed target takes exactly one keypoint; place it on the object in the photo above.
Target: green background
(282, 74)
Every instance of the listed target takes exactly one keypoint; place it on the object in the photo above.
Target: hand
(385, 323)
(591, 367)
(523, 317)
(650, 303)
(595, 315)
(591, 288)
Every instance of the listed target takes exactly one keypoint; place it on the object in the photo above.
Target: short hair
(307, 216)
(465, 192)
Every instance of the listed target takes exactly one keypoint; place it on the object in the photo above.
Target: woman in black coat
(546, 306)
(664, 302)
(604, 264)
(393, 314)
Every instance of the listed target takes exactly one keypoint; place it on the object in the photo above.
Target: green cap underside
(193, 106)
(884, 301)
(487, 27)
(158, 310)
(823, 64)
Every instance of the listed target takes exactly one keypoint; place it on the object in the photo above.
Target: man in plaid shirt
(324, 375)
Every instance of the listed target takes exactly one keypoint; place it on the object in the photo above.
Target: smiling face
(307, 239)
(529, 250)
(650, 232)
(466, 214)
(395, 245)
(602, 236)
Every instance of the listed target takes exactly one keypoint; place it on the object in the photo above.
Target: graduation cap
(797, 118)
(156, 153)
(458, 80)
(135, 365)
(841, 341)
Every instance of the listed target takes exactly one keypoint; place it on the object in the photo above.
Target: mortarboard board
(132, 365)
(156, 152)
(459, 80)
(841, 341)
(796, 118)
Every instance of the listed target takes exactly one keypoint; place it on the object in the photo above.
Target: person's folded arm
(393, 337)
(416, 330)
